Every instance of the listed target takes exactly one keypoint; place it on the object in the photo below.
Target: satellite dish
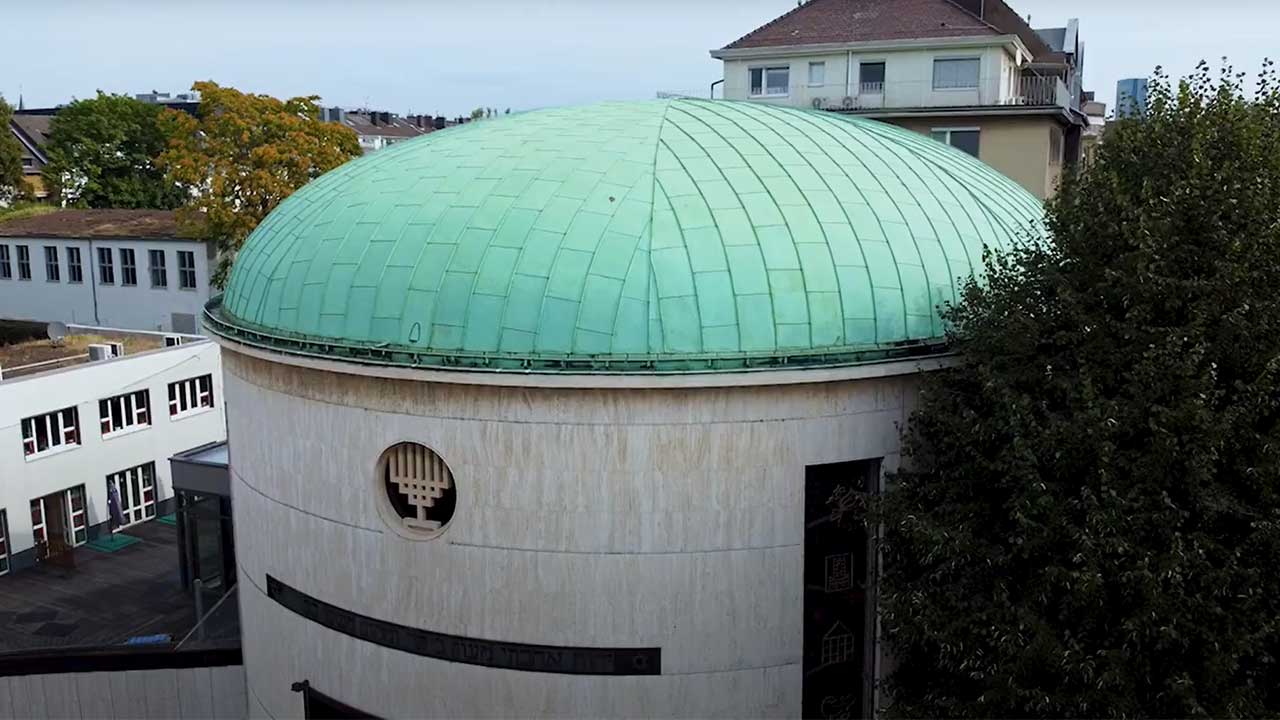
(56, 331)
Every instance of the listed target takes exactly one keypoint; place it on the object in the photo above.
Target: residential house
(970, 73)
(114, 268)
(31, 128)
(377, 129)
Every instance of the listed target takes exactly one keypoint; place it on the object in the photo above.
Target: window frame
(128, 267)
(137, 488)
(106, 266)
(947, 133)
(1057, 137)
(62, 424)
(6, 268)
(159, 271)
(764, 71)
(184, 270)
(124, 413)
(822, 64)
(190, 396)
(4, 542)
(977, 79)
(862, 82)
(75, 267)
(52, 270)
(24, 262)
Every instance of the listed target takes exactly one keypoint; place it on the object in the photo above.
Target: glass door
(137, 490)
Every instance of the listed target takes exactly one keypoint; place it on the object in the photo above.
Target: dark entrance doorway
(838, 613)
(318, 706)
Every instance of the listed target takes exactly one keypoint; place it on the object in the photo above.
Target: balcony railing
(1027, 91)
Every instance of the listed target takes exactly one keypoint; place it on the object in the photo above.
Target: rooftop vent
(117, 349)
(172, 340)
(99, 352)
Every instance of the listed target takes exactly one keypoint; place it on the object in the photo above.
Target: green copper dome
(668, 235)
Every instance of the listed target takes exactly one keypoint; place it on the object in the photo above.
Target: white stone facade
(669, 517)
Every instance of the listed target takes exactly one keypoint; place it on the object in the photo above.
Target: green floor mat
(111, 543)
(170, 519)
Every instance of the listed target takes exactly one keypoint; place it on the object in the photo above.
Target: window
(137, 489)
(871, 78)
(124, 412)
(72, 506)
(1055, 146)
(6, 270)
(188, 396)
(24, 262)
(770, 81)
(817, 74)
(4, 543)
(186, 270)
(159, 275)
(965, 139)
(51, 431)
(28, 162)
(75, 274)
(106, 271)
(961, 74)
(52, 272)
(418, 490)
(128, 267)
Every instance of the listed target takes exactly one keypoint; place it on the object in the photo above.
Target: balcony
(1024, 91)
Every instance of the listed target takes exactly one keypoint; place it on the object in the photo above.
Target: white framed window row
(43, 434)
(124, 413)
(190, 396)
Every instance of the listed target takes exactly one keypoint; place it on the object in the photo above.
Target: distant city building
(377, 129)
(159, 98)
(31, 128)
(1131, 97)
(969, 73)
(113, 268)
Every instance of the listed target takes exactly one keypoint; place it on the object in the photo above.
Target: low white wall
(24, 479)
(189, 694)
(670, 518)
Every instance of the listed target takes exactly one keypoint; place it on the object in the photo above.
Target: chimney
(439, 122)
(386, 118)
(977, 8)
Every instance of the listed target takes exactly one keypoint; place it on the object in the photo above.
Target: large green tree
(10, 157)
(1090, 521)
(242, 156)
(102, 154)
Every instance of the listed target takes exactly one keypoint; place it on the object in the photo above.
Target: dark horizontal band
(471, 651)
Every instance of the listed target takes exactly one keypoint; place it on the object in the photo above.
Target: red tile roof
(150, 224)
(843, 21)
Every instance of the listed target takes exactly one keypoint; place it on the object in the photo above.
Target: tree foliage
(1090, 521)
(102, 154)
(242, 156)
(10, 157)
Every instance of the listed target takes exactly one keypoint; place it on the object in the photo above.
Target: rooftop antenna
(57, 332)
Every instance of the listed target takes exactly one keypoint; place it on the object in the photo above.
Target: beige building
(971, 73)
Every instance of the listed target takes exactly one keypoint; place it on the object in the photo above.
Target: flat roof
(146, 224)
(26, 350)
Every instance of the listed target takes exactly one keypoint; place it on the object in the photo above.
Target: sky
(437, 57)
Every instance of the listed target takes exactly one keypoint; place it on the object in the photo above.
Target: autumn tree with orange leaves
(241, 157)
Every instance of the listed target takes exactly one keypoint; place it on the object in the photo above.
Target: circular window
(417, 490)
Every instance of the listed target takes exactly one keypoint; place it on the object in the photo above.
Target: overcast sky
(448, 57)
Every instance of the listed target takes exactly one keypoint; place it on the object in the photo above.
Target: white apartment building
(68, 433)
(969, 73)
(107, 268)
